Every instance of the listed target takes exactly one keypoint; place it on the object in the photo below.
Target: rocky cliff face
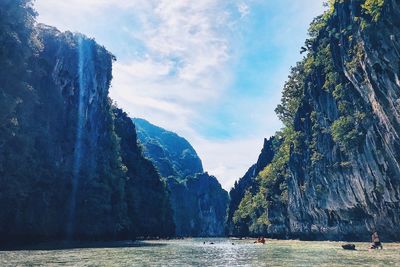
(199, 205)
(341, 165)
(148, 205)
(352, 190)
(197, 199)
(64, 166)
(78, 72)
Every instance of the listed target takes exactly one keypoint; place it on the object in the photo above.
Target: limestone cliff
(353, 187)
(336, 174)
(199, 205)
(65, 172)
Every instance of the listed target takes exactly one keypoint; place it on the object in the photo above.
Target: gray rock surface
(331, 200)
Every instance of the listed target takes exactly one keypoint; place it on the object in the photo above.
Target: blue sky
(210, 70)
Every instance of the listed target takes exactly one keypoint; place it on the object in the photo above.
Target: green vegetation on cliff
(172, 154)
(373, 8)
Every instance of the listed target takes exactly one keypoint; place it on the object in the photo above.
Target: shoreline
(148, 242)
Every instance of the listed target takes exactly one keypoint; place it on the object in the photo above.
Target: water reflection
(192, 252)
(64, 245)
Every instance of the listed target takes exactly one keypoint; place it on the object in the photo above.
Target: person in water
(376, 242)
(260, 240)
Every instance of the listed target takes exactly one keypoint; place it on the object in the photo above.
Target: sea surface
(200, 252)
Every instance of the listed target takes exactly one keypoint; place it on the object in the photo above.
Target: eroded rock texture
(341, 177)
(68, 169)
(348, 193)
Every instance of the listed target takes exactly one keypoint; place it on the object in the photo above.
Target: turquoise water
(192, 252)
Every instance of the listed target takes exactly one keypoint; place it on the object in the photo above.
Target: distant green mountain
(198, 201)
(172, 154)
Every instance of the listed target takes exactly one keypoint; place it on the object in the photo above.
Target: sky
(210, 70)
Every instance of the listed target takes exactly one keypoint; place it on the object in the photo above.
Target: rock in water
(349, 247)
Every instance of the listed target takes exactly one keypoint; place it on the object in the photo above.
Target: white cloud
(243, 9)
(228, 159)
(184, 35)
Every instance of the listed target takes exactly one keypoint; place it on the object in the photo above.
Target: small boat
(349, 247)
